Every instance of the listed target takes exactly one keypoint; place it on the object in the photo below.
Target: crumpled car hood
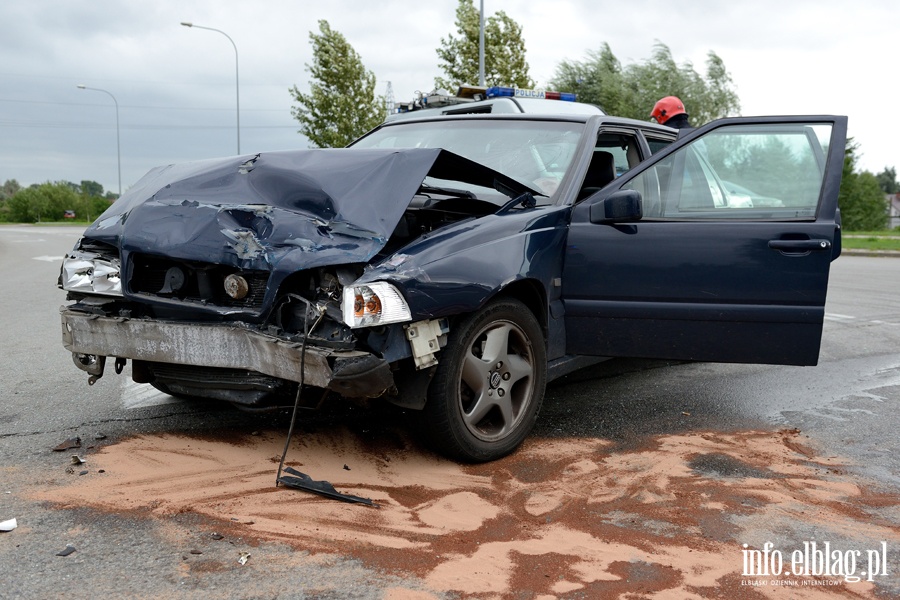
(332, 205)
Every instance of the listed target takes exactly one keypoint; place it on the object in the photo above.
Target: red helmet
(666, 108)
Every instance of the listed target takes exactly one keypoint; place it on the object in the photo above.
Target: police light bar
(494, 92)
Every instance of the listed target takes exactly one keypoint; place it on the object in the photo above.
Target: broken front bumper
(351, 373)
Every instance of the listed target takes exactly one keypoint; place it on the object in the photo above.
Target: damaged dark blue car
(453, 265)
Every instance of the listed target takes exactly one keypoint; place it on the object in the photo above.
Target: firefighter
(670, 111)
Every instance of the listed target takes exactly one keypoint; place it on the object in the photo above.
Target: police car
(492, 100)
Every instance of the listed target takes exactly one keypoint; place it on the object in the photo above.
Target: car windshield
(534, 153)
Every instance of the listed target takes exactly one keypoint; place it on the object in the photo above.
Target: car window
(739, 172)
(657, 144)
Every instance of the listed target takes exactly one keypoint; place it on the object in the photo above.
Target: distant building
(893, 210)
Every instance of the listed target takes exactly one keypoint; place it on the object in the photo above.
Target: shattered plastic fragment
(245, 556)
(70, 443)
(8, 525)
(77, 460)
(69, 549)
(302, 481)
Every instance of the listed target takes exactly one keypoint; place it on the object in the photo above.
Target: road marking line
(837, 317)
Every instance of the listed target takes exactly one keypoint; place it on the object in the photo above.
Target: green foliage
(633, 90)
(341, 104)
(9, 189)
(44, 202)
(504, 51)
(91, 188)
(887, 179)
(861, 200)
(49, 202)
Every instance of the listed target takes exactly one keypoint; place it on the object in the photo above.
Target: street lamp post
(81, 86)
(237, 85)
(481, 45)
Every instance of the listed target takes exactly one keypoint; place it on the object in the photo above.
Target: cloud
(176, 86)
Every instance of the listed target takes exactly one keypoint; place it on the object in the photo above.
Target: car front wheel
(489, 384)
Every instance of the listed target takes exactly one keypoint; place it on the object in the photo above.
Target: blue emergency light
(511, 92)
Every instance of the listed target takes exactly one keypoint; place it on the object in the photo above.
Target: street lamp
(481, 45)
(237, 85)
(81, 86)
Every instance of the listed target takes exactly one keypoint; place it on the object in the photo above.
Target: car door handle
(799, 246)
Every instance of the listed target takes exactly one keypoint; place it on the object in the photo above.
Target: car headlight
(376, 303)
(92, 275)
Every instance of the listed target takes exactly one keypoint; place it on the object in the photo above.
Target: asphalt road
(846, 405)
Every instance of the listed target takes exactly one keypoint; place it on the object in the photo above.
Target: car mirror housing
(622, 206)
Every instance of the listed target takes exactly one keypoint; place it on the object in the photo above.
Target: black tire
(489, 384)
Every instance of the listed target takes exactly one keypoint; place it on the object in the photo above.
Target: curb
(879, 253)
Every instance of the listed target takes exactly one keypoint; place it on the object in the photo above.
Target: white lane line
(143, 395)
(837, 317)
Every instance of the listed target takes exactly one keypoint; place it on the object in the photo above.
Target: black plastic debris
(69, 444)
(69, 549)
(346, 468)
(216, 536)
(302, 481)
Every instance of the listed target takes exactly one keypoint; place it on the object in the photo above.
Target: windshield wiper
(447, 191)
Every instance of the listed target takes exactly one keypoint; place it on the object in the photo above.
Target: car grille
(194, 282)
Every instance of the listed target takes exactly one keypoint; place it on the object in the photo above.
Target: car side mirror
(622, 206)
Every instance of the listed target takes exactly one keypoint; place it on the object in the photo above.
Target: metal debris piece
(100, 436)
(195, 551)
(69, 549)
(83, 472)
(245, 556)
(216, 536)
(77, 460)
(70, 443)
(8, 525)
(302, 481)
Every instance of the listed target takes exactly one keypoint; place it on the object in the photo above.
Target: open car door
(716, 249)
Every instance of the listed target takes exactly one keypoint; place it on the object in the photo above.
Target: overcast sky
(175, 86)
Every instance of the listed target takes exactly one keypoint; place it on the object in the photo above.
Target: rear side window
(657, 144)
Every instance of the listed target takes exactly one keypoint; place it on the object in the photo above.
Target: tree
(887, 179)
(9, 189)
(91, 188)
(504, 51)
(633, 90)
(44, 202)
(341, 104)
(861, 200)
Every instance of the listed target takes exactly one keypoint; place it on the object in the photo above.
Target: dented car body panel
(453, 265)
